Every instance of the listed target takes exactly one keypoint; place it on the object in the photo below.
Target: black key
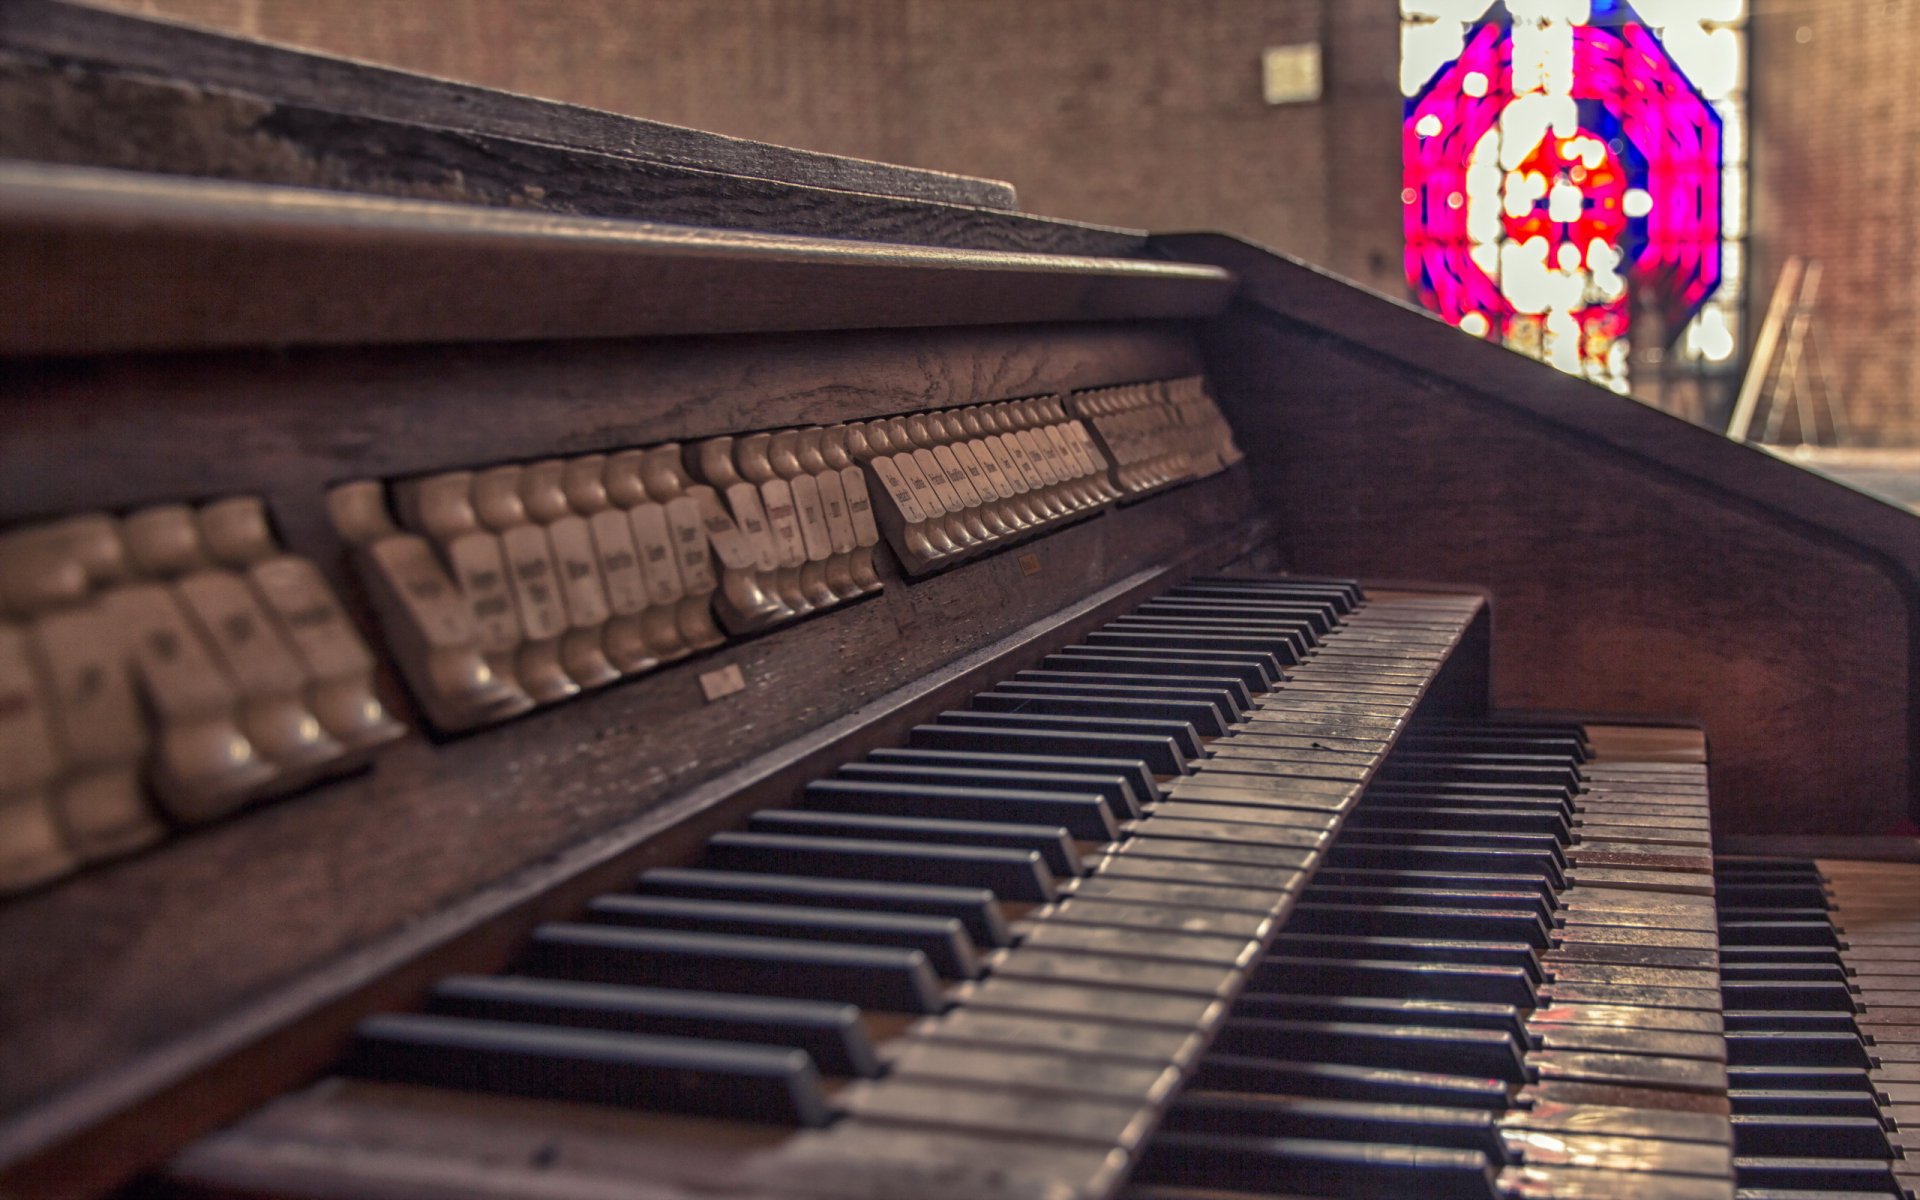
(1285, 644)
(1317, 618)
(1391, 979)
(1741, 974)
(1114, 789)
(1202, 716)
(1311, 1167)
(1287, 640)
(1180, 734)
(1813, 1137)
(1489, 881)
(1437, 791)
(1255, 672)
(1759, 1102)
(1422, 738)
(1777, 933)
(1018, 875)
(1135, 787)
(1489, 1052)
(1799, 1079)
(831, 1033)
(1784, 964)
(1545, 845)
(1800, 1176)
(1344, 1120)
(1517, 955)
(1435, 897)
(1743, 897)
(883, 977)
(1229, 690)
(942, 939)
(1343, 594)
(1217, 700)
(974, 907)
(1084, 816)
(730, 1079)
(1272, 655)
(1514, 729)
(1531, 819)
(1339, 1081)
(1796, 1048)
(1160, 755)
(1810, 1022)
(1509, 925)
(1054, 842)
(1441, 1014)
(1348, 853)
(1401, 768)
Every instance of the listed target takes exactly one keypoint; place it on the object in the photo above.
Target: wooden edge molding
(102, 1131)
(1882, 535)
(102, 261)
(103, 42)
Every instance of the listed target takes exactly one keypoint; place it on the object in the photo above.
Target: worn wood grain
(1639, 566)
(152, 946)
(568, 791)
(102, 261)
(87, 42)
(54, 113)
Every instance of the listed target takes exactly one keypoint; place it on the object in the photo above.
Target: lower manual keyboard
(1822, 985)
(1008, 938)
(1170, 872)
(1520, 999)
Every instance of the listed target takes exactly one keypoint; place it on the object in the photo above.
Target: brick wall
(1144, 113)
(1836, 176)
(1148, 113)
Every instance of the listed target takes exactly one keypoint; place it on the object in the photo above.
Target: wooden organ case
(549, 655)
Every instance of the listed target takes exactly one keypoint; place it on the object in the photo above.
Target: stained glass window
(1574, 174)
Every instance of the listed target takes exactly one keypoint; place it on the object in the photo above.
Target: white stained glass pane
(1673, 12)
(1733, 130)
(1733, 270)
(1733, 202)
(1446, 10)
(1572, 11)
(1710, 57)
(1425, 47)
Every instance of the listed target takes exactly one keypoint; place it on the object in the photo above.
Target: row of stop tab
(513, 586)
(159, 670)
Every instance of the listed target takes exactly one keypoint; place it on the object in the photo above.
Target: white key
(103, 738)
(32, 848)
(665, 476)
(577, 572)
(833, 506)
(339, 665)
(272, 683)
(735, 550)
(441, 506)
(428, 623)
(816, 545)
(653, 548)
(206, 766)
(534, 581)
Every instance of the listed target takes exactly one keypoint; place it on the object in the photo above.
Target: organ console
(548, 655)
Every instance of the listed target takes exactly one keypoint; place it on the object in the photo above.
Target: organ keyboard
(746, 673)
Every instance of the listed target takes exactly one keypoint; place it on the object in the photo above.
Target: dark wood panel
(155, 948)
(1639, 566)
(102, 261)
(125, 430)
(271, 892)
(90, 43)
(50, 113)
